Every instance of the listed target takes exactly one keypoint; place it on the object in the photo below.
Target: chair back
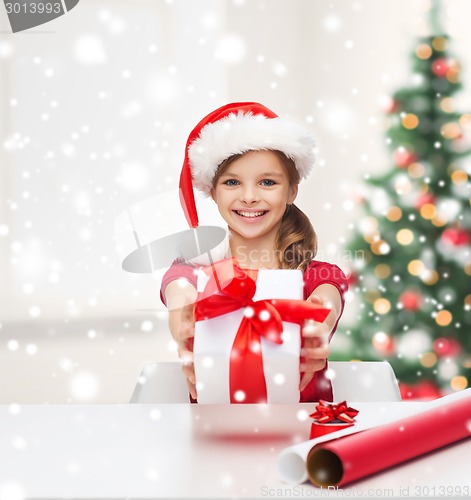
(363, 381)
(163, 382)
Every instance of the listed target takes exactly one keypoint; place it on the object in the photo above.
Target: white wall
(95, 110)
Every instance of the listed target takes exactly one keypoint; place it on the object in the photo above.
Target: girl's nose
(249, 195)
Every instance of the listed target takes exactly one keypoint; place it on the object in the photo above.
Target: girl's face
(252, 194)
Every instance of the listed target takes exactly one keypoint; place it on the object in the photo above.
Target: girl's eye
(267, 182)
(231, 182)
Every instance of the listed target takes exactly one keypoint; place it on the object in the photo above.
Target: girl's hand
(182, 326)
(181, 320)
(315, 350)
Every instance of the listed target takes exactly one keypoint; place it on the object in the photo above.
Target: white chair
(163, 382)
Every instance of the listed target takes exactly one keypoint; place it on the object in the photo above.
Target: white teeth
(249, 214)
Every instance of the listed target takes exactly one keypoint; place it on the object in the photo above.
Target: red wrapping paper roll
(341, 461)
(323, 429)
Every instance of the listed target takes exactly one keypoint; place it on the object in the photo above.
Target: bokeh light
(394, 214)
(405, 237)
(423, 51)
(410, 121)
(443, 318)
(416, 267)
(428, 359)
(382, 306)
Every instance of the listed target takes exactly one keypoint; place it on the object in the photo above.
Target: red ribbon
(330, 412)
(232, 289)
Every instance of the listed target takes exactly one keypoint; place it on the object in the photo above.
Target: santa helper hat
(237, 128)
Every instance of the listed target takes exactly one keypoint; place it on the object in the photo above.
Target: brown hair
(296, 240)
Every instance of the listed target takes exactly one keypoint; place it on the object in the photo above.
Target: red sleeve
(320, 273)
(178, 270)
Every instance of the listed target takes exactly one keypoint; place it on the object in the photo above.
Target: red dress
(317, 273)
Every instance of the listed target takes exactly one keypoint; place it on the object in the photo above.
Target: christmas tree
(412, 271)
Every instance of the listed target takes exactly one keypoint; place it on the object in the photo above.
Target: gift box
(247, 334)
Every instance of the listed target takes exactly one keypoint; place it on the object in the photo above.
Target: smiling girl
(251, 162)
(252, 192)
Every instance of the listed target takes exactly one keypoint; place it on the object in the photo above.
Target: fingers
(313, 359)
(185, 354)
(312, 329)
(188, 370)
(312, 353)
(316, 342)
(312, 366)
(182, 331)
(308, 370)
(192, 389)
(185, 347)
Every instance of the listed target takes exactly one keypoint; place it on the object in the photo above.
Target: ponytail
(296, 241)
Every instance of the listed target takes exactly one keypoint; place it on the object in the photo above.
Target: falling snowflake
(239, 396)
(230, 49)
(84, 386)
(89, 50)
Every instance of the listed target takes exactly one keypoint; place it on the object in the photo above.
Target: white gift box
(214, 338)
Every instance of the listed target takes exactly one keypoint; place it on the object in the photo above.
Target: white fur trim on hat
(243, 132)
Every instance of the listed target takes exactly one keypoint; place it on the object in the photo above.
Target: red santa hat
(235, 129)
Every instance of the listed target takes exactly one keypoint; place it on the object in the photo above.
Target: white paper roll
(292, 460)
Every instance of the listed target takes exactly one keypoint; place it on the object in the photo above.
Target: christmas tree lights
(413, 279)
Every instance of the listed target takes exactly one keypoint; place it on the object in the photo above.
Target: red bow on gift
(330, 412)
(231, 289)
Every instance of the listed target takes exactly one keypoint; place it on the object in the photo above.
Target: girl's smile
(251, 215)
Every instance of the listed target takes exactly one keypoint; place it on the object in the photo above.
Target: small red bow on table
(330, 412)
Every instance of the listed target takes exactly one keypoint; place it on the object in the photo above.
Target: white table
(182, 450)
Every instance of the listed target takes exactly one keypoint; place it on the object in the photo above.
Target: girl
(250, 162)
